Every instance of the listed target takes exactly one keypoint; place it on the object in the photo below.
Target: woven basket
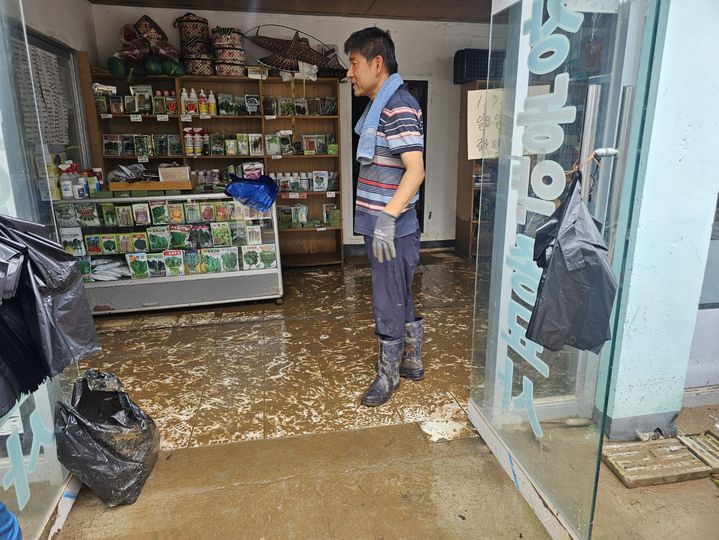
(195, 46)
(149, 29)
(230, 54)
(226, 37)
(229, 70)
(200, 64)
(193, 30)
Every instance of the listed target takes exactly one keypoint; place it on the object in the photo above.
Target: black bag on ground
(106, 440)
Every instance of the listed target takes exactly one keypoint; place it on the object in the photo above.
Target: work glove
(383, 243)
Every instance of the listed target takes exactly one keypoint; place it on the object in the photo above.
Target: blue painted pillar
(678, 180)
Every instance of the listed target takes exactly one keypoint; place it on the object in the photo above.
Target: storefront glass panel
(32, 477)
(573, 79)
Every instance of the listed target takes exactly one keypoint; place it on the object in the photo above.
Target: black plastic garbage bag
(57, 311)
(106, 440)
(577, 288)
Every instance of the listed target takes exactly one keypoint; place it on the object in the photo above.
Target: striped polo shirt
(400, 130)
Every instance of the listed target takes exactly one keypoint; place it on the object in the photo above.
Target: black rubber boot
(387, 379)
(411, 365)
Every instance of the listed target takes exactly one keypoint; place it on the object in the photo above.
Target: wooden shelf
(319, 156)
(310, 259)
(308, 229)
(153, 116)
(286, 194)
(301, 117)
(226, 117)
(224, 157)
(135, 157)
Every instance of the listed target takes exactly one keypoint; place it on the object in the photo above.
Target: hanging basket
(226, 37)
(194, 34)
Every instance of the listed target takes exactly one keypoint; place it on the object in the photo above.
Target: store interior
(252, 359)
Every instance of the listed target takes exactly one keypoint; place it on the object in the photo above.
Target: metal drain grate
(654, 462)
(705, 446)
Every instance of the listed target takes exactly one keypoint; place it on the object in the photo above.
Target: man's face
(364, 75)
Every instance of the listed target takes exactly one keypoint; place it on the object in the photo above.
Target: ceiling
(473, 11)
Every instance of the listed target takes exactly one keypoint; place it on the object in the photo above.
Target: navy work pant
(392, 287)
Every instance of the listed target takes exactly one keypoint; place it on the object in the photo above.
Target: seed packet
(284, 216)
(93, 244)
(180, 236)
(211, 260)
(238, 232)
(141, 213)
(143, 145)
(268, 256)
(239, 106)
(319, 180)
(321, 144)
(174, 263)
(230, 147)
(221, 235)
(201, 236)
(158, 238)
(86, 214)
(176, 213)
(174, 145)
(65, 215)
(217, 144)
(124, 243)
(128, 145)
(71, 239)
(326, 211)
(193, 262)
(124, 216)
(139, 241)
(229, 259)
(253, 235)
(117, 105)
(222, 210)
(112, 145)
(328, 106)
(300, 106)
(333, 181)
(160, 215)
(109, 243)
(156, 264)
(253, 169)
(286, 142)
(138, 265)
(225, 104)
(109, 216)
(272, 145)
(252, 102)
(192, 212)
(159, 141)
(257, 147)
(299, 214)
(237, 211)
(269, 106)
(243, 144)
(207, 212)
(85, 267)
(286, 106)
(313, 106)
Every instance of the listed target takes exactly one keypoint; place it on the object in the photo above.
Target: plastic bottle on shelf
(188, 141)
(197, 142)
(212, 104)
(183, 101)
(202, 105)
(205, 143)
(65, 183)
(170, 102)
(191, 102)
(97, 171)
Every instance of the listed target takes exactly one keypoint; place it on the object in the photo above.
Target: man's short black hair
(372, 42)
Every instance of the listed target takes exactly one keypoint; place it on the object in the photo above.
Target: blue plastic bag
(259, 194)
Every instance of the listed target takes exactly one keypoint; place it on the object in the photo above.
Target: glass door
(574, 82)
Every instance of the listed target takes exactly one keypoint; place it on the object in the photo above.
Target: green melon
(172, 68)
(153, 65)
(117, 67)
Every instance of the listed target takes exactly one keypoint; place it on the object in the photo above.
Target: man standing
(390, 152)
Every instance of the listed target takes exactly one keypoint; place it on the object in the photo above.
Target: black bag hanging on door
(577, 288)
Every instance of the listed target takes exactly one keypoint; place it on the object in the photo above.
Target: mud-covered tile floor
(265, 371)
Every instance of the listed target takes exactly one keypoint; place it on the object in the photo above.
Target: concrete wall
(669, 238)
(425, 51)
(68, 21)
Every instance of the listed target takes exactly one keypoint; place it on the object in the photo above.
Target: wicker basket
(233, 55)
(199, 64)
(194, 34)
(149, 29)
(226, 37)
(229, 70)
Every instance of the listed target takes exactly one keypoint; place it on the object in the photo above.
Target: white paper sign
(143, 159)
(163, 118)
(106, 116)
(135, 118)
(331, 194)
(321, 229)
(276, 157)
(484, 117)
(186, 118)
(205, 117)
